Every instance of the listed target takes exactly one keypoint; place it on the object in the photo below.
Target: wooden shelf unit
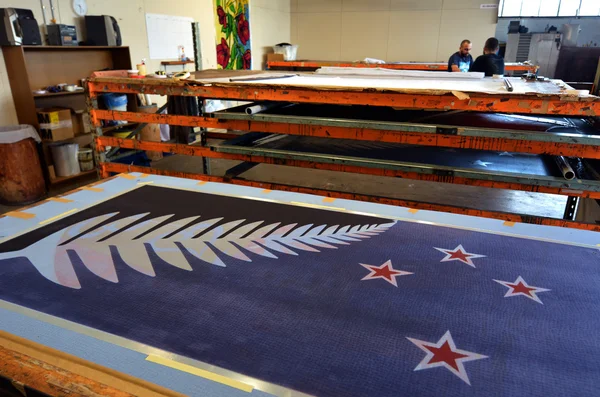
(169, 63)
(60, 179)
(62, 93)
(33, 68)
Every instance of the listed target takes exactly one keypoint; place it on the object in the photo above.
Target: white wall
(392, 30)
(269, 25)
(590, 28)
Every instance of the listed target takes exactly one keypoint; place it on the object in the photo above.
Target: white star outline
(461, 373)
(468, 261)
(511, 289)
(388, 263)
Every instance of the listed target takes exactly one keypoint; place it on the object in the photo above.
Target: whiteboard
(166, 33)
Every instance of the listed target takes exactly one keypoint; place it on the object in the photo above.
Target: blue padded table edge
(133, 362)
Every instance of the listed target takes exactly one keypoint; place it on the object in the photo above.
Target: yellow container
(121, 134)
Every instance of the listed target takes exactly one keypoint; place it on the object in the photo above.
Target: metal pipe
(43, 12)
(564, 167)
(261, 107)
(258, 78)
(53, 20)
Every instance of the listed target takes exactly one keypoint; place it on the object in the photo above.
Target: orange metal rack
(431, 66)
(484, 103)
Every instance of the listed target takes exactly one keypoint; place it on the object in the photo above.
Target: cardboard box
(55, 124)
(274, 57)
(82, 123)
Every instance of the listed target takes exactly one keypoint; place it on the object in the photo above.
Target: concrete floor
(441, 193)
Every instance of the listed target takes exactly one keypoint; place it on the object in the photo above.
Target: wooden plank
(168, 63)
(61, 179)
(62, 375)
(47, 68)
(18, 77)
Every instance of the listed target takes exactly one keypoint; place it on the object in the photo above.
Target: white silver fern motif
(169, 240)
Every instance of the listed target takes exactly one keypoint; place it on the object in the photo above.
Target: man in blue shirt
(461, 60)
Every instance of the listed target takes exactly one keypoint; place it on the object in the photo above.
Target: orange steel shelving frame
(431, 66)
(527, 104)
(489, 103)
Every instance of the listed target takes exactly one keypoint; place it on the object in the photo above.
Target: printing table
(149, 285)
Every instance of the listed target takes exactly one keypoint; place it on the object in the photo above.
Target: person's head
(491, 46)
(465, 48)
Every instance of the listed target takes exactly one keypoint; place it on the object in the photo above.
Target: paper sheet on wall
(166, 33)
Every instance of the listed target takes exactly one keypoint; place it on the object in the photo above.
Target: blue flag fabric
(403, 309)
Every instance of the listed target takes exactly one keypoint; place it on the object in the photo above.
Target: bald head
(465, 48)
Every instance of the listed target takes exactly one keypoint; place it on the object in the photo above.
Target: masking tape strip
(509, 224)
(20, 215)
(413, 210)
(325, 207)
(267, 191)
(144, 176)
(201, 372)
(329, 199)
(58, 216)
(60, 200)
(93, 189)
(201, 183)
(127, 176)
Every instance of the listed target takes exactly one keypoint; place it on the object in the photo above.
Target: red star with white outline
(459, 254)
(385, 271)
(445, 354)
(520, 287)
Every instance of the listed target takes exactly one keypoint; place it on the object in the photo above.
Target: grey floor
(468, 196)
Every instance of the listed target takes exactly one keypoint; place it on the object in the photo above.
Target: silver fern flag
(327, 303)
(92, 244)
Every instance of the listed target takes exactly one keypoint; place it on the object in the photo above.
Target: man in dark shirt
(490, 62)
(461, 60)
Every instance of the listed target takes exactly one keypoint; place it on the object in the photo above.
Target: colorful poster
(233, 34)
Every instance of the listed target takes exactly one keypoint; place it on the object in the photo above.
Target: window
(548, 8)
(512, 8)
(568, 8)
(589, 8)
(530, 8)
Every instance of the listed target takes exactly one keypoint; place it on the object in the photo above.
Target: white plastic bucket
(289, 51)
(65, 159)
